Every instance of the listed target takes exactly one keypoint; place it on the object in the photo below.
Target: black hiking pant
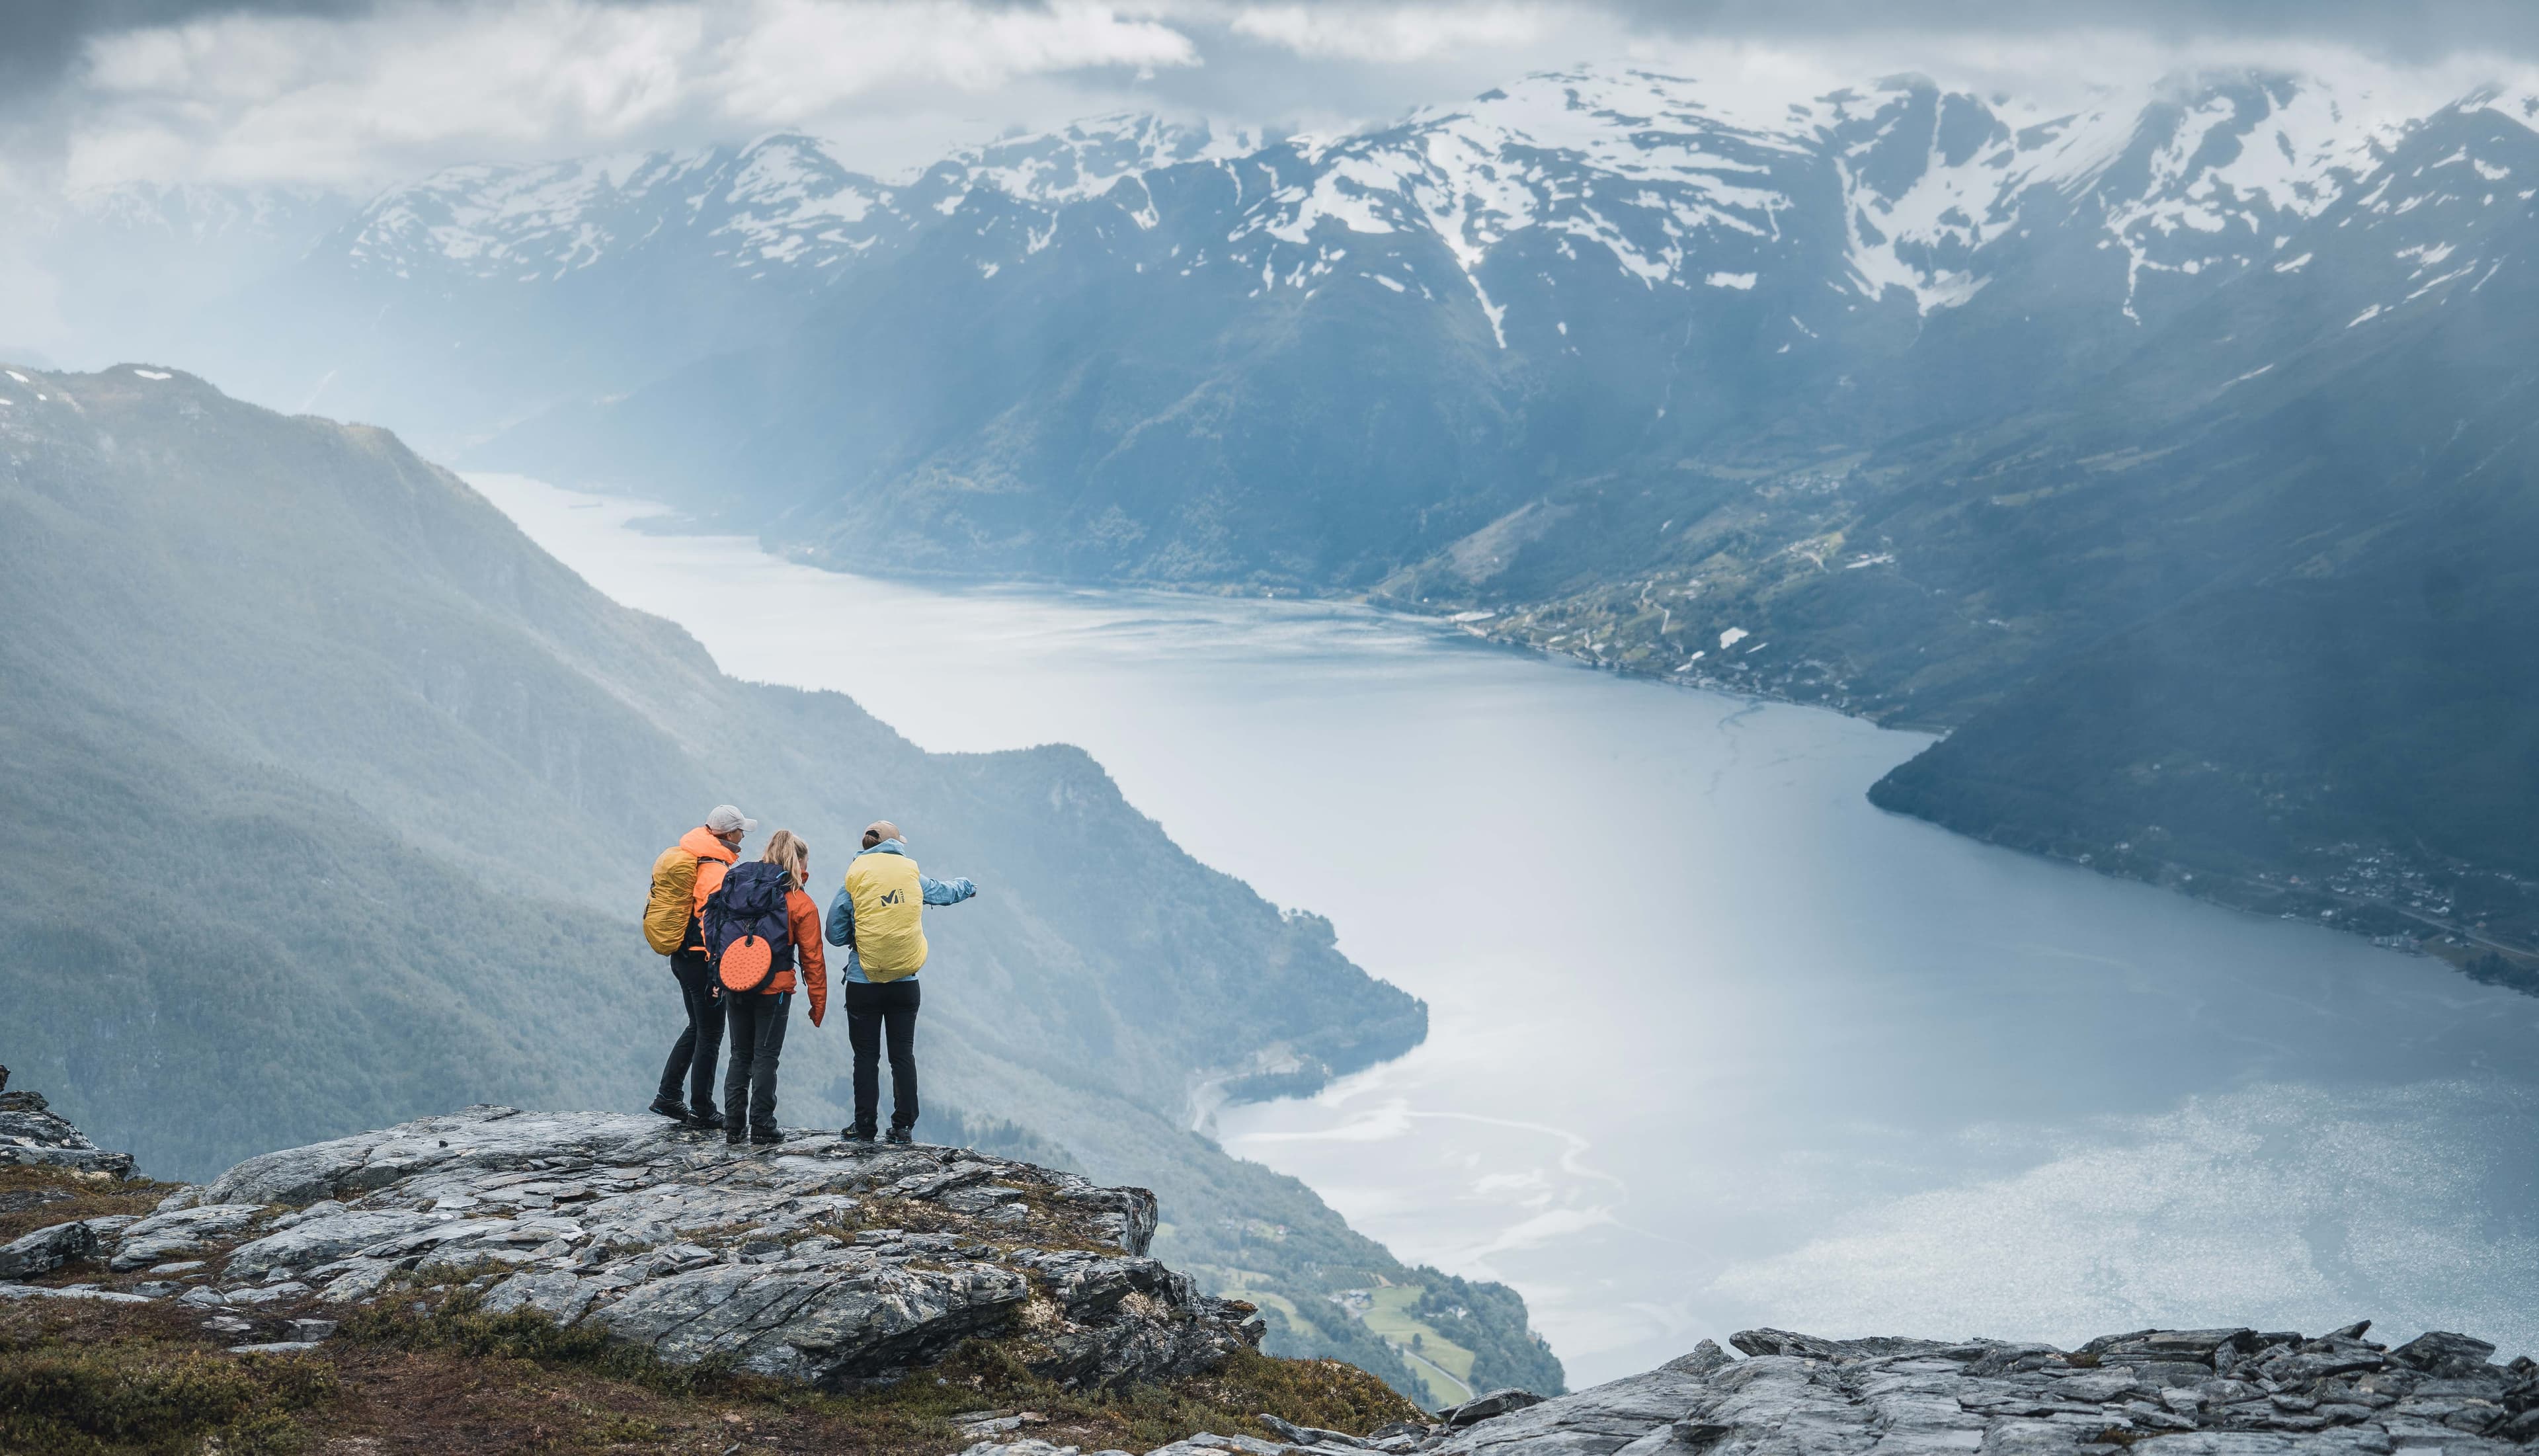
(692, 1056)
(871, 1011)
(756, 1019)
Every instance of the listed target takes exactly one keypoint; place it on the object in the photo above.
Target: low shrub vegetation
(445, 1375)
(33, 1197)
(150, 1389)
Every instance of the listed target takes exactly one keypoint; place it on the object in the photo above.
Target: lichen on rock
(820, 1260)
(2214, 1391)
(32, 1135)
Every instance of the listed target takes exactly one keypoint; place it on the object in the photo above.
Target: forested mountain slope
(336, 797)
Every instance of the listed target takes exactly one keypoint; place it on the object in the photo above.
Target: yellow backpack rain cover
(890, 930)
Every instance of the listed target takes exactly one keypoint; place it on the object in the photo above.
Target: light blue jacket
(842, 910)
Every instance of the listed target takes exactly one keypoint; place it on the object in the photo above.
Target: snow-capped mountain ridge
(198, 213)
(783, 202)
(781, 199)
(1926, 179)
(1589, 220)
(1565, 276)
(1900, 185)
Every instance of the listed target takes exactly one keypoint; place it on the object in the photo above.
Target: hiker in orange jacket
(755, 1019)
(685, 874)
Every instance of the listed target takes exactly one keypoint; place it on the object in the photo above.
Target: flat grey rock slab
(31, 1137)
(47, 1249)
(41, 1292)
(334, 1236)
(768, 1257)
(2225, 1392)
(814, 1323)
(1589, 1423)
(159, 1237)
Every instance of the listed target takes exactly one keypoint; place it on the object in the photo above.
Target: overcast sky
(360, 93)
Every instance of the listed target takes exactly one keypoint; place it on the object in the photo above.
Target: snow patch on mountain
(1902, 192)
(1087, 158)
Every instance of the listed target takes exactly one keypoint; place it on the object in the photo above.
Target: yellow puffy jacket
(685, 874)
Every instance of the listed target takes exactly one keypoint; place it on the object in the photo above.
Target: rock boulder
(820, 1260)
(2251, 1394)
(32, 1135)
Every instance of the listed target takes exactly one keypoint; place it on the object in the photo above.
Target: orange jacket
(802, 918)
(714, 861)
(682, 877)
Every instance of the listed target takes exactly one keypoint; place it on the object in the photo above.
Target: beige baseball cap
(881, 829)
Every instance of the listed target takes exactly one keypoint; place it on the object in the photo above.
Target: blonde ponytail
(785, 848)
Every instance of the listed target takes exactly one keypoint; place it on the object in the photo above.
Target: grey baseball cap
(728, 820)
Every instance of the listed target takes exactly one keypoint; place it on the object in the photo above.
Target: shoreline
(2383, 922)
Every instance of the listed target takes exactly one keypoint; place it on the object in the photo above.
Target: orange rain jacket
(685, 874)
(802, 919)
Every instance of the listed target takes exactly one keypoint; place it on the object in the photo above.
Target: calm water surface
(1715, 1043)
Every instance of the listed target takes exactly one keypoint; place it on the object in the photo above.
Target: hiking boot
(857, 1135)
(900, 1135)
(736, 1133)
(766, 1139)
(671, 1108)
(708, 1121)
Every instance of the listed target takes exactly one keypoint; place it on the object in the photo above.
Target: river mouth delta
(1714, 1042)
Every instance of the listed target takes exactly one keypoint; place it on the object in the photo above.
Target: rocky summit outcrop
(818, 1259)
(2174, 1392)
(843, 1265)
(32, 1135)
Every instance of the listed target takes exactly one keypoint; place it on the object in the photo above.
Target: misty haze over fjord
(2047, 496)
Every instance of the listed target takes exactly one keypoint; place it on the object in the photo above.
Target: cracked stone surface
(817, 1260)
(838, 1264)
(31, 1135)
(171, 1234)
(2172, 1392)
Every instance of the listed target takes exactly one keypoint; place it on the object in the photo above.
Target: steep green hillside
(336, 797)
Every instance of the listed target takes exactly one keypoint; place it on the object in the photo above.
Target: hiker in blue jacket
(879, 915)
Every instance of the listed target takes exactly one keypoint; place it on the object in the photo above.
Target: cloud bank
(250, 96)
(355, 94)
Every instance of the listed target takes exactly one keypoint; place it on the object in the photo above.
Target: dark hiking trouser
(692, 1056)
(757, 1022)
(871, 1010)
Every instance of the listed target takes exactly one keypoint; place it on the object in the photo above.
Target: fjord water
(1714, 1042)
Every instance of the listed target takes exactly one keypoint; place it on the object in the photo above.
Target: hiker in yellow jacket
(879, 916)
(683, 879)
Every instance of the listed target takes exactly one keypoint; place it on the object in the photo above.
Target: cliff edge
(2173, 1392)
(496, 1279)
(822, 1261)
(641, 1287)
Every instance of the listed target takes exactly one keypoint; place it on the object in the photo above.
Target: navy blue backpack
(747, 934)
